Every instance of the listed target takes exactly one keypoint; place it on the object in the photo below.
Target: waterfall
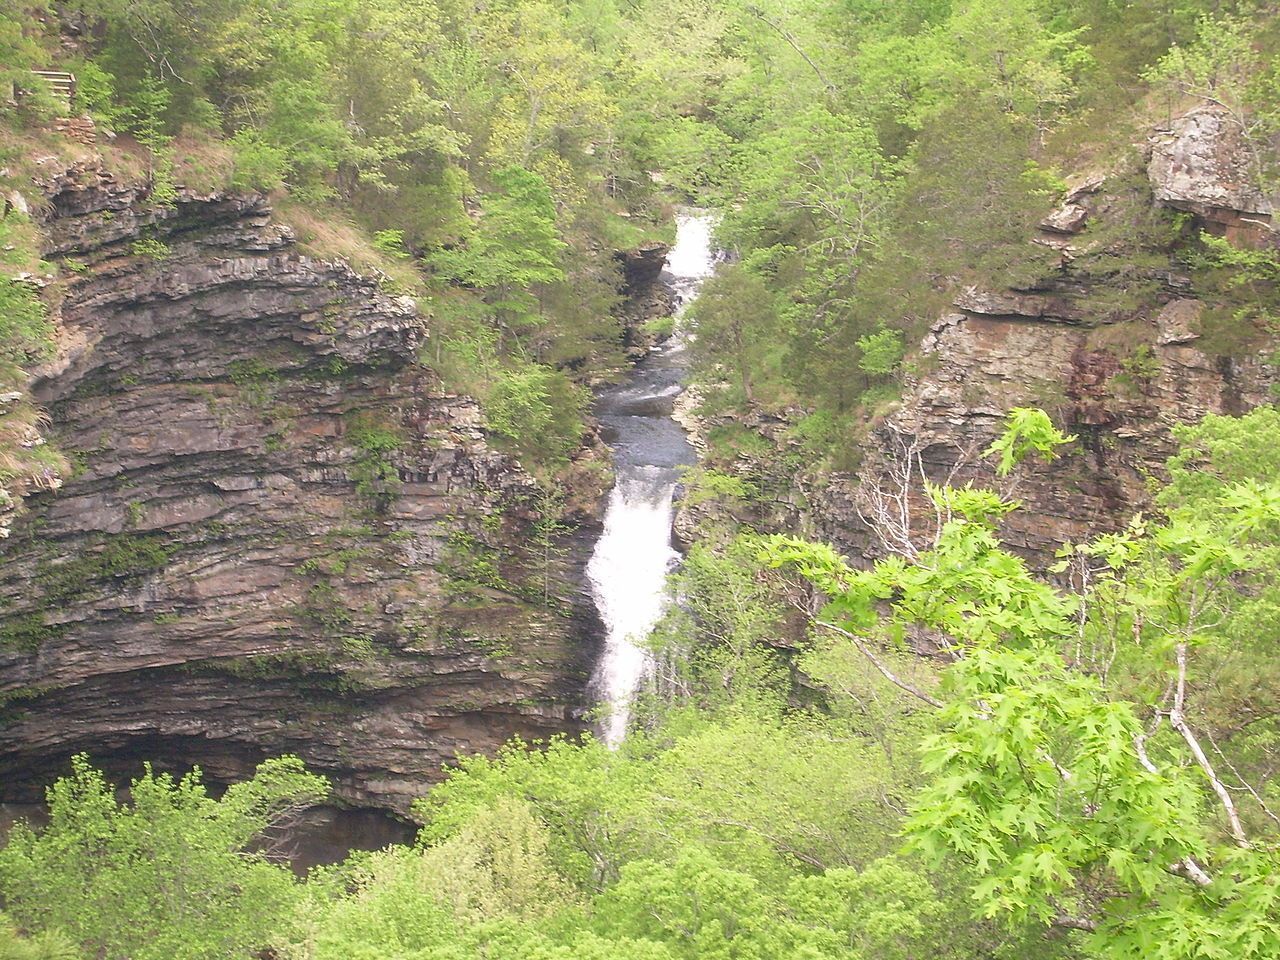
(629, 566)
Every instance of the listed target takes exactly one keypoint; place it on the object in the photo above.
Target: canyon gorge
(279, 534)
(662, 480)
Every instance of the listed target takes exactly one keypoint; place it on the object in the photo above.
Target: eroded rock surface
(1118, 377)
(1207, 165)
(1119, 380)
(281, 535)
(646, 295)
(1121, 406)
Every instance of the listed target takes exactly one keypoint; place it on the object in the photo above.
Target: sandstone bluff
(279, 533)
(1065, 342)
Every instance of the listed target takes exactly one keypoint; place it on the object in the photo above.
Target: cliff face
(280, 534)
(646, 295)
(1120, 343)
(1117, 342)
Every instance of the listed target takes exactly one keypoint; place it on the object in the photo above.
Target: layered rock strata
(1119, 357)
(281, 534)
(1116, 342)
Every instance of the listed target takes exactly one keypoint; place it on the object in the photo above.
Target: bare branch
(1243, 782)
(1074, 923)
(788, 36)
(1140, 748)
(884, 502)
(1177, 720)
(1187, 867)
(875, 662)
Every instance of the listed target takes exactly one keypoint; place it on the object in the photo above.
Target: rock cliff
(646, 295)
(1119, 340)
(279, 534)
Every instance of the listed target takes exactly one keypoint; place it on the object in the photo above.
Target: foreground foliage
(171, 874)
(1065, 773)
(1092, 759)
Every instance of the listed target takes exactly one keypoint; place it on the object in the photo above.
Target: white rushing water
(629, 566)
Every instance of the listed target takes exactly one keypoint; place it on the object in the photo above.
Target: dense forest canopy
(871, 158)
(1081, 763)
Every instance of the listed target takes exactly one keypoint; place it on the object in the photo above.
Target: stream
(629, 566)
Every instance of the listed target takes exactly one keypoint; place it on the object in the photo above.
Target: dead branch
(792, 42)
(1243, 782)
(1177, 719)
(875, 662)
(1187, 867)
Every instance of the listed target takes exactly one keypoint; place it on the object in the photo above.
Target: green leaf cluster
(171, 873)
(1085, 748)
(1027, 430)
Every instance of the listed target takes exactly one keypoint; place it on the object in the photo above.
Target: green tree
(715, 649)
(1218, 453)
(402, 901)
(21, 51)
(736, 324)
(538, 409)
(48, 945)
(1050, 772)
(555, 106)
(172, 873)
(881, 352)
(515, 246)
(1226, 67)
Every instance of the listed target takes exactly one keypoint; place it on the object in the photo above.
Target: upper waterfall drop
(629, 566)
(693, 258)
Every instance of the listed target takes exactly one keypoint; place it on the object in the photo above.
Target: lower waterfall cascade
(629, 566)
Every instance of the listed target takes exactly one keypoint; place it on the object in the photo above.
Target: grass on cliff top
(19, 245)
(201, 163)
(20, 158)
(622, 232)
(328, 233)
(39, 463)
(30, 154)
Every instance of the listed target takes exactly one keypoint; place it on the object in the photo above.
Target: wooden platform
(62, 84)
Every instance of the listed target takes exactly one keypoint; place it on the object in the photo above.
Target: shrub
(150, 247)
(259, 165)
(172, 874)
(374, 472)
(538, 409)
(391, 242)
(881, 352)
(26, 335)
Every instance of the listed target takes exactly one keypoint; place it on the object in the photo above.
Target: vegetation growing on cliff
(483, 154)
(1083, 774)
(870, 162)
(959, 758)
(911, 153)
